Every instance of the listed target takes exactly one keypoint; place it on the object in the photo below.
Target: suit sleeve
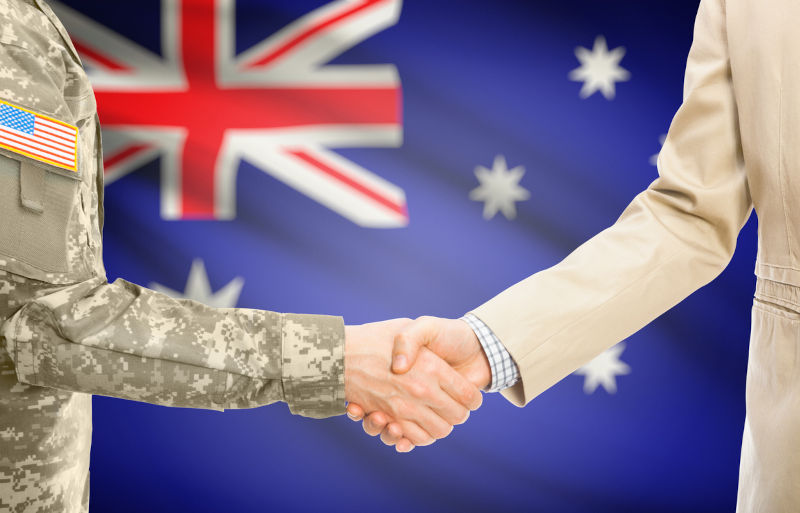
(673, 238)
(122, 340)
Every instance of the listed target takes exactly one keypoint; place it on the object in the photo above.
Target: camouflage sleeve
(122, 340)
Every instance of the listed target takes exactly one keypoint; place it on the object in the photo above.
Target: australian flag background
(373, 159)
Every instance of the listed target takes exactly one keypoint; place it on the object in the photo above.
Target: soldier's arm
(119, 339)
(122, 340)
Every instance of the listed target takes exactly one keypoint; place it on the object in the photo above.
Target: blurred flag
(375, 159)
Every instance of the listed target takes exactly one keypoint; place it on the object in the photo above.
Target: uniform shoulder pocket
(38, 203)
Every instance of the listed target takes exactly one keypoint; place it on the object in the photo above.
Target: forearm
(557, 320)
(672, 239)
(122, 340)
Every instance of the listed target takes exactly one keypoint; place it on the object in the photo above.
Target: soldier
(68, 333)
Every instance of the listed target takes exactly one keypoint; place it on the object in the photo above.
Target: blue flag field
(377, 159)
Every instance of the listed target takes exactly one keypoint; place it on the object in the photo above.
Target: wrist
(349, 332)
(483, 377)
(479, 370)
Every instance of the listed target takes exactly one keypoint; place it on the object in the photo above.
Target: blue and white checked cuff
(505, 372)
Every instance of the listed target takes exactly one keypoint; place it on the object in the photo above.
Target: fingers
(404, 445)
(443, 389)
(375, 423)
(415, 434)
(447, 410)
(355, 412)
(408, 342)
(407, 433)
(433, 423)
(460, 389)
(392, 434)
(428, 427)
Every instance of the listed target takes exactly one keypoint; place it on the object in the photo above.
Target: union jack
(277, 104)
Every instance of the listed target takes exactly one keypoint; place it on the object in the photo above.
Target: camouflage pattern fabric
(68, 333)
(45, 434)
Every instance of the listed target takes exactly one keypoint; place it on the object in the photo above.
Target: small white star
(499, 188)
(604, 369)
(199, 289)
(599, 69)
(654, 157)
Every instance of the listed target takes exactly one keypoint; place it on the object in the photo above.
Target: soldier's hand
(424, 403)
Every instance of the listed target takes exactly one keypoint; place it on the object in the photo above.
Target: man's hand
(424, 403)
(452, 340)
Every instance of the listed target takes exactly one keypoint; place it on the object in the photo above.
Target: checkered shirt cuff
(505, 372)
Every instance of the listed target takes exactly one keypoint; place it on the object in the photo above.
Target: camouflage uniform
(68, 333)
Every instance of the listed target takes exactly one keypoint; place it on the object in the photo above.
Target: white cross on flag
(202, 108)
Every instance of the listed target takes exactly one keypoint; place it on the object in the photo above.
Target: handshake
(414, 380)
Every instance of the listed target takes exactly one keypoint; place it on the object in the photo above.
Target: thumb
(407, 344)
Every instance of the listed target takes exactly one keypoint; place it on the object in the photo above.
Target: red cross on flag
(201, 107)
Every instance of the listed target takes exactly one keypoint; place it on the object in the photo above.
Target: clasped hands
(414, 380)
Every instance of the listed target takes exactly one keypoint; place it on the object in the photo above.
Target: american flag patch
(38, 137)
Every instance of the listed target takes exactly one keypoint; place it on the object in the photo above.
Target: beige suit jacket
(733, 145)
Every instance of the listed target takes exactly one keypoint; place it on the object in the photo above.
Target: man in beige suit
(732, 145)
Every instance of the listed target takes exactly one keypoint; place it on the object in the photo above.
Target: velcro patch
(38, 136)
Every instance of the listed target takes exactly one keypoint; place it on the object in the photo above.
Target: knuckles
(417, 390)
(395, 431)
(388, 439)
(369, 428)
(402, 339)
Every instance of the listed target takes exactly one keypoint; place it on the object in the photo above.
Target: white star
(599, 69)
(198, 288)
(499, 188)
(654, 157)
(604, 369)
